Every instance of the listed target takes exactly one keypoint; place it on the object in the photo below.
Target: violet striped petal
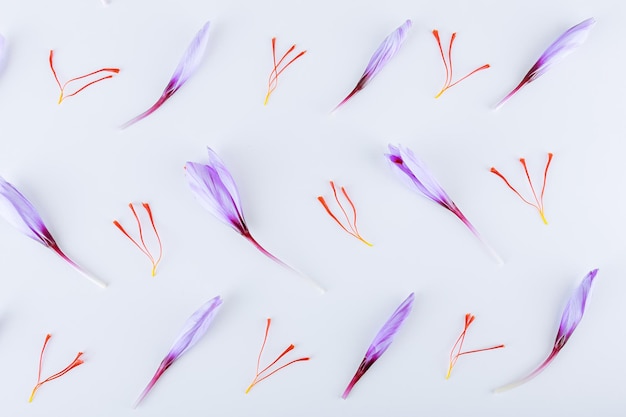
(215, 189)
(567, 43)
(382, 341)
(387, 50)
(195, 327)
(572, 315)
(20, 213)
(186, 68)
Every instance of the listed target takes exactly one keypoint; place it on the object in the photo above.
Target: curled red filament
(143, 247)
(448, 66)
(350, 220)
(273, 79)
(63, 96)
(259, 374)
(538, 204)
(76, 362)
(458, 345)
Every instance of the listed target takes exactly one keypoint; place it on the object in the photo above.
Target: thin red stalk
(545, 177)
(448, 65)
(495, 171)
(275, 73)
(143, 247)
(532, 188)
(62, 95)
(258, 378)
(330, 213)
(76, 362)
(352, 223)
(458, 345)
(345, 214)
(443, 57)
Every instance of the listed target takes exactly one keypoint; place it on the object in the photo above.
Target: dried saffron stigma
(143, 247)
(259, 374)
(273, 79)
(458, 345)
(63, 96)
(352, 227)
(538, 204)
(76, 362)
(448, 66)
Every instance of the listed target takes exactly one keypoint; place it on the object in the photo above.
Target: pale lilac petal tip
(382, 341)
(387, 50)
(564, 45)
(187, 66)
(195, 327)
(572, 315)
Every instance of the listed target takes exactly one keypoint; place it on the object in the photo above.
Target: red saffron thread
(258, 378)
(352, 227)
(538, 204)
(273, 79)
(76, 362)
(63, 96)
(143, 247)
(458, 345)
(448, 83)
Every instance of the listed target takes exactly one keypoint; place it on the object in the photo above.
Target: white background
(80, 170)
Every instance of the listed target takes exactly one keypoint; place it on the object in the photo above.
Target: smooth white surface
(81, 171)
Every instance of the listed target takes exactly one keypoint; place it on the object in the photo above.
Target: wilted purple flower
(387, 50)
(195, 327)
(18, 211)
(215, 189)
(572, 315)
(567, 43)
(186, 67)
(418, 177)
(382, 341)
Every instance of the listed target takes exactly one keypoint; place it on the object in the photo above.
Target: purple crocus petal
(572, 315)
(19, 212)
(195, 327)
(215, 189)
(567, 43)
(186, 67)
(387, 50)
(382, 341)
(413, 172)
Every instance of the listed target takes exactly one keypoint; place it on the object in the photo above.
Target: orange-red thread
(448, 83)
(63, 96)
(538, 204)
(143, 247)
(351, 221)
(273, 79)
(76, 362)
(259, 374)
(458, 345)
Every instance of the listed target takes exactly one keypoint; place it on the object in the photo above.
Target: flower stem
(530, 376)
(486, 245)
(80, 270)
(264, 251)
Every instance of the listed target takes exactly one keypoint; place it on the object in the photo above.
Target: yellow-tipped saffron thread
(76, 362)
(273, 79)
(352, 227)
(448, 83)
(143, 247)
(538, 200)
(62, 95)
(458, 345)
(258, 376)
